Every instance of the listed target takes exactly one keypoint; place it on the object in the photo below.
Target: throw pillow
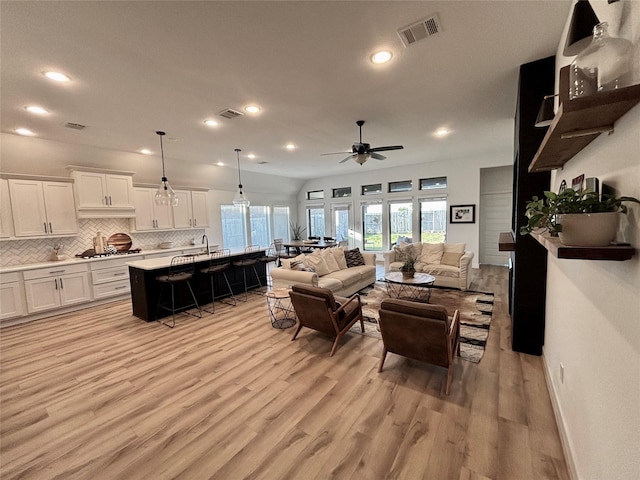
(300, 266)
(330, 260)
(338, 254)
(318, 264)
(432, 253)
(403, 253)
(354, 258)
(454, 247)
(451, 258)
(286, 262)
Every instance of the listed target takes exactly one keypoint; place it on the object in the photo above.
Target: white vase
(588, 229)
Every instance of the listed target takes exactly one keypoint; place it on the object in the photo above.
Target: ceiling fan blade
(348, 158)
(385, 149)
(377, 156)
(334, 153)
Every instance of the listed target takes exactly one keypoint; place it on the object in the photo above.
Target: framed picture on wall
(462, 214)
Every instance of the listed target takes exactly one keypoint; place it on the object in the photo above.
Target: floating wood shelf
(557, 249)
(506, 243)
(580, 121)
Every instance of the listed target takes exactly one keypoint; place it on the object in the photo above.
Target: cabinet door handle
(56, 271)
(195, 222)
(50, 228)
(110, 202)
(190, 223)
(61, 285)
(120, 288)
(106, 201)
(55, 280)
(119, 273)
(45, 228)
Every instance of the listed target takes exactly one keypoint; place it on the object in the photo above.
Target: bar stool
(219, 263)
(269, 256)
(281, 251)
(181, 271)
(249, 261)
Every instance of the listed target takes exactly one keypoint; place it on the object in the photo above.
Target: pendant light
(240, 200)
(165, 194)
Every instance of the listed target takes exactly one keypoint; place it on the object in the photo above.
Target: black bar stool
(219, 263)
(181, 271)
(250, 261)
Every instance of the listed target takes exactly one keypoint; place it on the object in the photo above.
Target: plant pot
(408, 273)
(588, 229)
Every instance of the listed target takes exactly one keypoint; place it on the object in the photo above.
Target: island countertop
(165, 262)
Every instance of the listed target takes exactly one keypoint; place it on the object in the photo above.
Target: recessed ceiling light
(382, 56)
(211, 123)
(24, 131)
(290, 146)
(57, 76)
(220, 164)
(252, 108)
(442, 132)
(146, 151)
(251, 155)
(37, 110)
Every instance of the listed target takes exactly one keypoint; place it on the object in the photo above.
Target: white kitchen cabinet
(110, 278)
(192, 210)
(101, 194)
(150, 216)
(6, 216)
(12, 303)
(42, 208)
(57, 286)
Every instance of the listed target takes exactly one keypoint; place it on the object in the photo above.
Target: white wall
(593, 309)
(463, 188)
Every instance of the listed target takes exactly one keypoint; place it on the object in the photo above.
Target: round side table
(280, 308)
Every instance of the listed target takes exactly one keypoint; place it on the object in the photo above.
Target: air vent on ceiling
(425, 28)
(230, 113)
(75, 126)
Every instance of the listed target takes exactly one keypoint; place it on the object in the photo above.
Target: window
(372, 226)
(341, 222)
(432, 183)
(433, 219)
(341, 192)
(404, 186)
(373, 189)
(259, 223)
(400, 220)
(315, 221)
(234, 227)
(281, 222)
(315, 195)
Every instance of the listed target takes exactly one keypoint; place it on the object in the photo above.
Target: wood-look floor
(99, 394)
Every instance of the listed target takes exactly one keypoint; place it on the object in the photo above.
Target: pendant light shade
(165, 194)
(240, 200)
(580, 29)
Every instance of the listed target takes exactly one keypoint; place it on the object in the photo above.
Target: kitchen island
(145, 289)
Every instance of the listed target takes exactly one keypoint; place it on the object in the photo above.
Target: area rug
(475, 308)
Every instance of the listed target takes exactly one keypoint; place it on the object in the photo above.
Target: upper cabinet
(580, 121)
(6, 216)
(150, 216)
(192, 210)
(103, 193)
(42, 208)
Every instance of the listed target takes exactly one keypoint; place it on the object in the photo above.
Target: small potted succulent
(579, 218)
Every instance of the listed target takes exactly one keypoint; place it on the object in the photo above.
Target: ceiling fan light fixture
(383, 56)
(165, 194)
(240, 199)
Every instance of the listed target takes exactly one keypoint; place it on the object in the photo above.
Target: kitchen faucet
(206, 239)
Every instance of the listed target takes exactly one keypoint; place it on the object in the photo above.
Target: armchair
(317, 308)
(420, 331)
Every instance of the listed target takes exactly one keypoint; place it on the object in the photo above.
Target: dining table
(299, 245)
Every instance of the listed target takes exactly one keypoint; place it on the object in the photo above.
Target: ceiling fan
(361, 152)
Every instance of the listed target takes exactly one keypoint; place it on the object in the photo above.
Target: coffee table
(416, 288)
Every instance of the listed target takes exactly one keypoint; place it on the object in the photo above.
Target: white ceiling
(138, 67)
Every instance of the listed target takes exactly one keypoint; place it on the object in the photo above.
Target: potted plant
(408, 268)
(296, 231)
(579, 218)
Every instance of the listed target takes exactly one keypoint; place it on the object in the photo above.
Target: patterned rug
(475, 308)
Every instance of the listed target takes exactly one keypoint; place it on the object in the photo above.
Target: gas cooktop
(91, 253)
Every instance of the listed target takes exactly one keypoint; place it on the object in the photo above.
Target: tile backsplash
(20, 252)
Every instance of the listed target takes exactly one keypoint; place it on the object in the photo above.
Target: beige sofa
(343, 282)
(449, 263)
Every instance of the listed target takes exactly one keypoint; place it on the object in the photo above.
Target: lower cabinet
(11, 296)
(110, 278)
(49, 288)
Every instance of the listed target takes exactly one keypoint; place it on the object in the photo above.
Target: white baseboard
(557, 413)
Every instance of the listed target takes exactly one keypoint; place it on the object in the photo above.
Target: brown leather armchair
(317, 308)
(420, 331)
